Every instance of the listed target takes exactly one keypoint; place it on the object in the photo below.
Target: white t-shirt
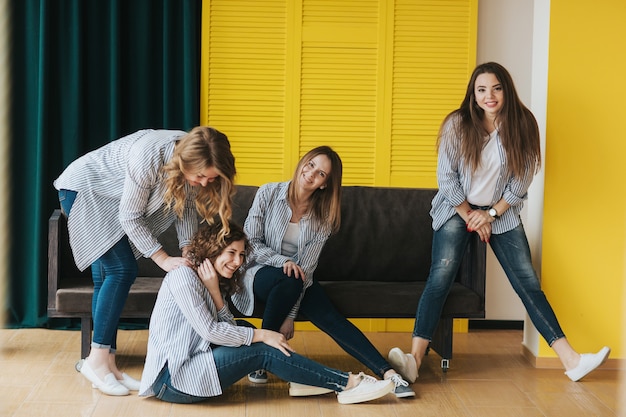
(485, 177)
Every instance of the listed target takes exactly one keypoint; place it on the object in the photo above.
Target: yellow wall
(585, 187)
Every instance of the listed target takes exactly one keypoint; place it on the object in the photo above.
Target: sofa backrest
(385, 235)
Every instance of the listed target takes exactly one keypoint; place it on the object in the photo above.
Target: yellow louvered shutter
(371, 78)
(339, 82)
(433, 57)
(243, 82)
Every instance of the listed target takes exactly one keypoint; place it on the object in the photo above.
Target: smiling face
(230, 259)
(203, 177)
(489, 94)
(315, 173)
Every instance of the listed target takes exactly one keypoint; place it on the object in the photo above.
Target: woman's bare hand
(479, 221)
(208, 276)
(290, 267)
(169, 263)
(274, 339)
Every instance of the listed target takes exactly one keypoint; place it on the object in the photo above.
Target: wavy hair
(207, 244)
(325, 204)
(203, 147)
(516, 125)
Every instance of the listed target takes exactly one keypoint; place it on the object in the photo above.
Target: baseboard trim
(555, 363)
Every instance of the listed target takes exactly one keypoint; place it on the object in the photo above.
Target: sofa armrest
(472, 272)
(54, 225)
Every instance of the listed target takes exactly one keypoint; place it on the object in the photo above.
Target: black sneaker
(401, 389)
(258, 376)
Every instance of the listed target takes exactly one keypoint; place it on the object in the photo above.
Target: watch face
(493, 212)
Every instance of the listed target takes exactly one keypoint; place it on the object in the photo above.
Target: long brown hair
(207, 244)
(325, 204)
(516, 125)
(203, 147)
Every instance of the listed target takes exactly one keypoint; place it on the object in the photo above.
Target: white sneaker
(129, 382)
(301, 390)
(109, 385)
(404, 364)
(368, 389)
(588, 362)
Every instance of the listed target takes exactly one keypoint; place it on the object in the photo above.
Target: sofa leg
(442, 342)
(85, 336)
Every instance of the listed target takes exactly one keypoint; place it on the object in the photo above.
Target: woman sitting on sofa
(288, 225)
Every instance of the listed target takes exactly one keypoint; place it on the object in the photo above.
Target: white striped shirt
(120, 190)
(266, 226)
(183, 325)
(455, 181)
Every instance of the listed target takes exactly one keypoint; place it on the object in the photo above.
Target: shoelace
(366, 378)
(397, 379)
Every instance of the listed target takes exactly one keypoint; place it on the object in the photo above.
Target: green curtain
(83, 73)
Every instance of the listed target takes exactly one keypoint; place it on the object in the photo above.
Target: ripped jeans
(512, 251)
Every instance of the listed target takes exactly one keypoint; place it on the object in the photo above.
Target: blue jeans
(513, 253)
(113, 274)
(280, 292)
(233, 363)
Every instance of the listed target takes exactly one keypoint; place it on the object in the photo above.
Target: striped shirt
(455, 181)
(120, 189)
(266, 226)
(183, 326)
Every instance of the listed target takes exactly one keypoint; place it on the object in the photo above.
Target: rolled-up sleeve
(448, 166)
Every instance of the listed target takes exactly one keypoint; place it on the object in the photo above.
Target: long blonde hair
(325, 204)
(203, 147)
(516, 125)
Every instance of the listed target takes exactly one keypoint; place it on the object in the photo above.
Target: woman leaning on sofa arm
(489, 153)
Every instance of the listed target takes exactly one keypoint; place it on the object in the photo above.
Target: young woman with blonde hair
(118, 200)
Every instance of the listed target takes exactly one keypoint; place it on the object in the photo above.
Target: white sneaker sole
(301, 390)
(347, 397)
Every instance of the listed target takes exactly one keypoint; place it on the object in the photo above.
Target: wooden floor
(488, 377)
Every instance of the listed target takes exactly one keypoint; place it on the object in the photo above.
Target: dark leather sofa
(374, 267)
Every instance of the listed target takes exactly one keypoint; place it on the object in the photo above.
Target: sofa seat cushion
(75, 297)
(396, 299)
(391, 300)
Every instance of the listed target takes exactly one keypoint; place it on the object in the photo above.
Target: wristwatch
(493, 213)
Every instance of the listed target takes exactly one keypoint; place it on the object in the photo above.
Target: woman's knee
(442, 274)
